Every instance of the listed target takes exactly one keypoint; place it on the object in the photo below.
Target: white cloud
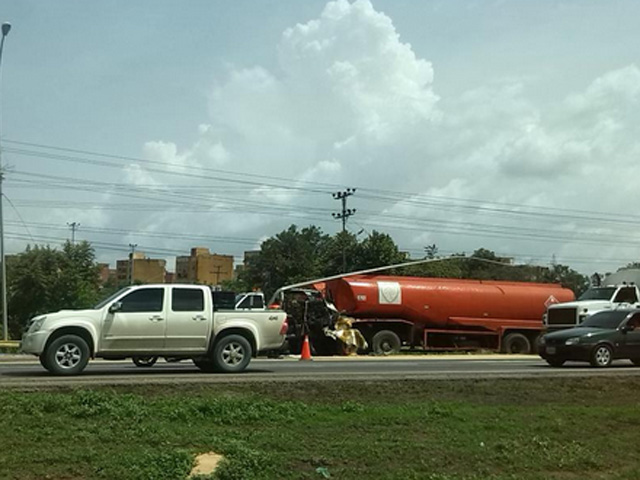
(352, 104)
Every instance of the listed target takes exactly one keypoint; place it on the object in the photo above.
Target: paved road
(22, 373)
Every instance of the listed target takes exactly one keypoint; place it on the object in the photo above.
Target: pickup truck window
(257, 301)
(246, 303)
(627, 294)
(603, 293)
(187, 300)
(143, 300)
(110, 298)
(250, 301)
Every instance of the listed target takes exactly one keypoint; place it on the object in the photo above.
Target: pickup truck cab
(178, 321)
(596, 299)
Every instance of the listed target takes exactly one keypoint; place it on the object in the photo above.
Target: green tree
(289, 257)
(42, 279)
(295, 255)
(568, 277)
(445, 267)
(343, 243)
(237, 285)
(377, 250)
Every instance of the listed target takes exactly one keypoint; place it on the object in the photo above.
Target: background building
(106, 274)
(145, 270)
(204, 267)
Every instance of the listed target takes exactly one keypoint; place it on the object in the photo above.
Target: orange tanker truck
(442, 313)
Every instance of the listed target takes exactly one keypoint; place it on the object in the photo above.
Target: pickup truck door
(139, 325)
(189, 319)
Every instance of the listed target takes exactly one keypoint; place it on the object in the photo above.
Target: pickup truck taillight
(285, 326)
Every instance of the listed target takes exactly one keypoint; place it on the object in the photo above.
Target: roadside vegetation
(570, 428)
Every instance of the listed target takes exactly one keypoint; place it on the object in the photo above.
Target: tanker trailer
(443, 313)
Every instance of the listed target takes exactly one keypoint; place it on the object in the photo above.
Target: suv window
(187, 300)
(143, 300)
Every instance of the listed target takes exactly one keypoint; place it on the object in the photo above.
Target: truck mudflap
(351, 338)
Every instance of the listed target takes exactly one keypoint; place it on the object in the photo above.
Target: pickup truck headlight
(36, 324)
(542, 340)
(572, 341)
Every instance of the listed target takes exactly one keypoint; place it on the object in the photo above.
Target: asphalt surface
(26, 372)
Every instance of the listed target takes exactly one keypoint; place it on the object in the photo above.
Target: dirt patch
(206, 464)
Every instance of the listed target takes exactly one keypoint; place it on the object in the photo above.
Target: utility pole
(5, 323)
(132, 246)
(346, 213)
(73, 226)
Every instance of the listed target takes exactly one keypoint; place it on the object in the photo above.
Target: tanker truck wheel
(386, 342)
(516, 343)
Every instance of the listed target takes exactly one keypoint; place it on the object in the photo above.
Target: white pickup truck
(178, 321)
(595, 299)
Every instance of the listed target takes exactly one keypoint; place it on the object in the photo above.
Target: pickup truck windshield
(110, 298)
(605, 319)
(604, 293)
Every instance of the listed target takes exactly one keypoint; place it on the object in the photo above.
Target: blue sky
(475, 107)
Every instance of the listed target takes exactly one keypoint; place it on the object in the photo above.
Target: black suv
(600, 339)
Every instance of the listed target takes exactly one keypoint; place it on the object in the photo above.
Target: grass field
(438, 430)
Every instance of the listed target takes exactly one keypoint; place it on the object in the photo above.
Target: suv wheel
(66, 355)
(555, 362)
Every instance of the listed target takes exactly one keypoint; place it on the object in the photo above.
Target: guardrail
(9, 344)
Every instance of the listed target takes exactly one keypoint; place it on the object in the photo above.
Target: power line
(192, 200)
(175, 252)
(19, 215)
(376, 194)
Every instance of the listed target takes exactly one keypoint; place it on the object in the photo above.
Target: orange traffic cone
(306, 350)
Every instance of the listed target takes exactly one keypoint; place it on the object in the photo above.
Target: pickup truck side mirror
(628, 327)
(115, 307)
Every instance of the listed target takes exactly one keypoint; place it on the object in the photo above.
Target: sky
(510, 125)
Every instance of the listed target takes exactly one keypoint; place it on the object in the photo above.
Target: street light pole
(6, 27)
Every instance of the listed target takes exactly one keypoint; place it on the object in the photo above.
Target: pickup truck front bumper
(33, 342)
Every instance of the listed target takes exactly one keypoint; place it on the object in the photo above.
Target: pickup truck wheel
(232, 354)
(386, 342)
(66, 355)
(602, 356)
(205, 365)
(145, 361)
(516, 343)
